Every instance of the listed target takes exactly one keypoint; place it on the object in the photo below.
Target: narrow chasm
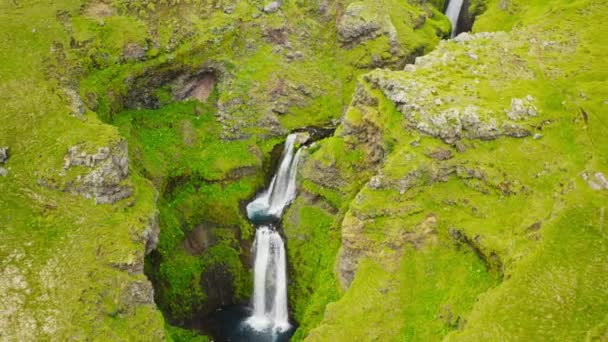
(211, 137)
(202, 268)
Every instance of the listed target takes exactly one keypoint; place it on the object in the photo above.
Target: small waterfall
(282, 189)
(270, 277)
(453, 12)
(270, 282)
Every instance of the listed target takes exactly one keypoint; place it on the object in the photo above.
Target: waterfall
(270, 275)
(453, 12)
(270, 282)
(282, 189)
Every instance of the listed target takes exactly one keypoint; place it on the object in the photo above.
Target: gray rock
(75, 102)
(448, 125)
(470, 118)
(302, 138)
(134, 52)
(602, 179)
(105, 180)
(521, 108)
(150, 234)
(272, 7)
(4, 154)
(375, 182)
(3, 172)
(354, 27)
(484, 130)
(515, 131)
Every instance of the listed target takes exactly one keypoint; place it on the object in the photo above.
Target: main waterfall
(270, 278)
(453, 13)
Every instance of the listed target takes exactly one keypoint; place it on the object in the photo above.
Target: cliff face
(465, 189)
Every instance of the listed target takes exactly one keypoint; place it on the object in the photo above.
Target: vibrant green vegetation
(395, 234)
(481, 240)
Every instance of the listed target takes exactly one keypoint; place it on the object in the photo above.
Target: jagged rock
(515, 131)
(272, 7)
(150, 234)
(140, 292)
(106, 180)
(75, 158)
(358, 24)
(75, 102)
(522, 108)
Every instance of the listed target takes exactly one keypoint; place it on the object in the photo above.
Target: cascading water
(270, 278)
(282, 189)
(453, 13)
(270, 282)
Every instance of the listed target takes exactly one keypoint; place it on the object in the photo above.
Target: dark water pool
(228, 324)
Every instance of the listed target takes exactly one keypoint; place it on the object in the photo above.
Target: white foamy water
(453, 12)
(269, 302)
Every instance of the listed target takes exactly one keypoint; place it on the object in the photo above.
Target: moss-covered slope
(478, 171)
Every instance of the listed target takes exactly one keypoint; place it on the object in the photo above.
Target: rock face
(109, 169)
(359, 23)
(430, 111)
(378, 29)
(101, 175)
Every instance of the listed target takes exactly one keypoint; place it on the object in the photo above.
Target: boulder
(272, 7)
(4, 154)
(359, 24)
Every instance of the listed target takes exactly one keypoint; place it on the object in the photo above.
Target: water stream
(453, 13)
(268, 318)
(270, 279)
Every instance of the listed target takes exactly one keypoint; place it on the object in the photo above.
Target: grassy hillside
(478, 213)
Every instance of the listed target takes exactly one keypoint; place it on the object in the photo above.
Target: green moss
(422, 298)
(312, 244)
(177, 334)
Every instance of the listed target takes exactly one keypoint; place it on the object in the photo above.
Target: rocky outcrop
(359, 23)
(429, 111)
(272, 7)
(379, 30)
(150, 234)
(102, 175)
(356, 245)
